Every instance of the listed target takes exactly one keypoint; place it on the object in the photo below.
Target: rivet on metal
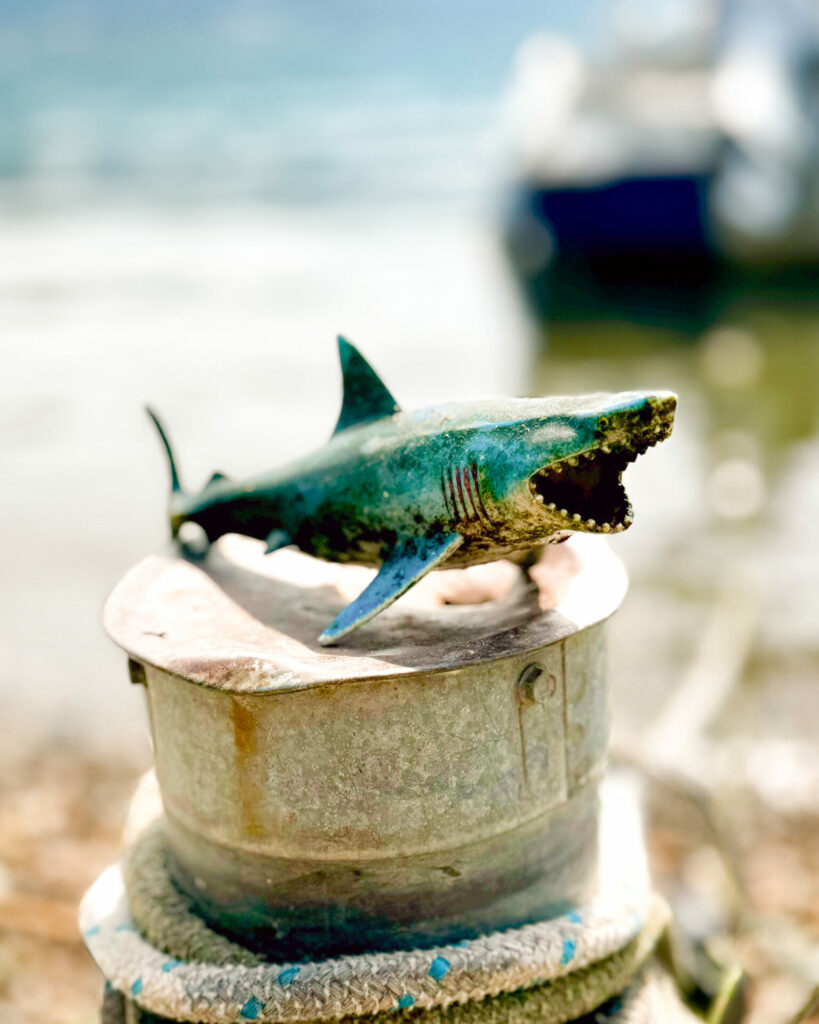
(526, 683)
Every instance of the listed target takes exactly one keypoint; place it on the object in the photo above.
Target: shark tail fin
(176, 487)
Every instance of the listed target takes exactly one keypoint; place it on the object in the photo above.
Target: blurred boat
(684, 162)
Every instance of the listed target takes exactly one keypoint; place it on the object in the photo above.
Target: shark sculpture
(450, 486)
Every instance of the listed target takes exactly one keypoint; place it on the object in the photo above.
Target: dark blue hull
(637, 248)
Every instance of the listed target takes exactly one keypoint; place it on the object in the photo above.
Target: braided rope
(624, 989)
(236, 988)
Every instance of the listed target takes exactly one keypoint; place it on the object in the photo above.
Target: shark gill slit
(450, 498)
(461, 492)
(457, 511)
(468, 485)
(474, 471)
(449, 512)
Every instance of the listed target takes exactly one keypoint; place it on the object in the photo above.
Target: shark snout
(641, 420)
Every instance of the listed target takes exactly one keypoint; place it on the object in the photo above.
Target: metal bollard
(433, 779)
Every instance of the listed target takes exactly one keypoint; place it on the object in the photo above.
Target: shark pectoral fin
(277, 539)
(366, 396)
(412, 559)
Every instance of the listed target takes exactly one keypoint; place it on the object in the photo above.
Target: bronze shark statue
(447, 486)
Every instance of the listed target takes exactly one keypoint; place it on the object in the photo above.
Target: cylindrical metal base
(434, 779)
(289, 908)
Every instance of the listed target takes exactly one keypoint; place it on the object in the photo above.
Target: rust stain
(246, 744)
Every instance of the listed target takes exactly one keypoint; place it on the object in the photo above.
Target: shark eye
(603, 421)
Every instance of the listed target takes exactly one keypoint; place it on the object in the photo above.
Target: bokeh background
(518, 198)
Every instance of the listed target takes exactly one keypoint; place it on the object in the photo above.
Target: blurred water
(305, 104)
(194, 199)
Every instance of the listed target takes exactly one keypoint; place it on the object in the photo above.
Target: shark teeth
(584, 491)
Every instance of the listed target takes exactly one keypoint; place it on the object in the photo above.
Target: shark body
(455, 484)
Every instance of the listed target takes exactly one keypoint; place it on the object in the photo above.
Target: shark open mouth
(585, 491)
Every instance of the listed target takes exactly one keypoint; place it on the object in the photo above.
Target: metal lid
(244, 622)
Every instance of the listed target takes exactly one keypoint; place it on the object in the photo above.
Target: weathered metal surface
(455, 485)
(243, 622)
(435, 781)
(288, 908)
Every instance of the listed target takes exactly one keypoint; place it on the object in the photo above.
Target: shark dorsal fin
(366, 397)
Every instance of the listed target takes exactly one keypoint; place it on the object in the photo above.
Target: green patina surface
(460, 484)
